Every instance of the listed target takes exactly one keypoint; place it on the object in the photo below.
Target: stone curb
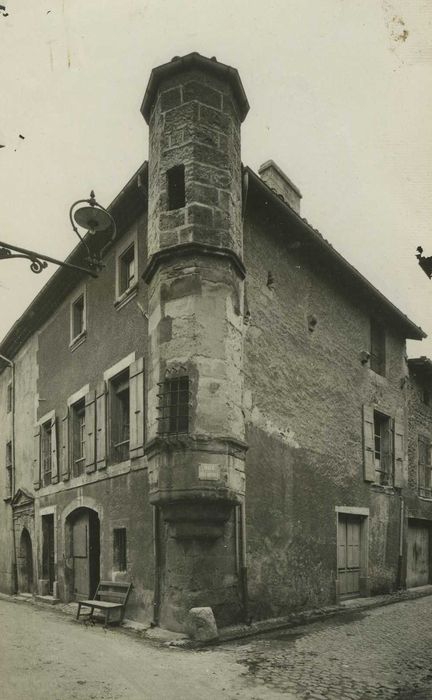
(306, 617)
(172, 639)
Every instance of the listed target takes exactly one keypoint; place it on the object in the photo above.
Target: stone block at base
(201, 624)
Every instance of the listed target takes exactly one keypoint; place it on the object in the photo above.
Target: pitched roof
(298, 230)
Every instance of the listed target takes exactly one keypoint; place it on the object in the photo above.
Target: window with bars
(78, 437)
(46, 452)
(174, 406)
(120, 417)
(119, 543)
(424, 467)
(377, 347)
(383, 452)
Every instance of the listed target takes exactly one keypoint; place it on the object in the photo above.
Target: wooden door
(349, 555)
(48, 557)
(85, 554)
(80, 554)
(418, 566)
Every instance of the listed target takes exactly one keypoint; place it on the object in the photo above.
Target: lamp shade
(92, 218)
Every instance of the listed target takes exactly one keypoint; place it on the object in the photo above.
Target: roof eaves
(413, 331)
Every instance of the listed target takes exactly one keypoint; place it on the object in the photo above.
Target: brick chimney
(280, 183)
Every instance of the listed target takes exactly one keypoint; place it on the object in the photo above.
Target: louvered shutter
(368, 444)
(399, 454)
(101, 425)
(64, 456)
(36, 458)
(54, 453)
(90, 437)
(136, 407)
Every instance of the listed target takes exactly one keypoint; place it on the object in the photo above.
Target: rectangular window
(377, 347)
(174, 406)
(78, 437)
(424, 467)
(126, 269)
(383, 452)
(119, 541)
(176, 187)
(78, 324)
(120, 417)
(9, 398)
(46, 452)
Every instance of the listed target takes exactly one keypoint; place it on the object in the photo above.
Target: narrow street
(382, 653)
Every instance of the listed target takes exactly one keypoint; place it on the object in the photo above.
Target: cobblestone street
(384, 653)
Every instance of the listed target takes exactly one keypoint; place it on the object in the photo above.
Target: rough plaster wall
(121, 502)
(26, 372)
(304, 393)
(111, 335)
(420, 423)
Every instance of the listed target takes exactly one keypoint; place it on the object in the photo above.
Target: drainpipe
(157, 565)
(401, 539)
(14, 552)
(243, 565)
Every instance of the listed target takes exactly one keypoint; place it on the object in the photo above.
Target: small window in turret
(176, 187)
(174, 406)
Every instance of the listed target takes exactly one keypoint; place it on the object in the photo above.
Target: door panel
(80, 548)
(418, 555)
(349, 562)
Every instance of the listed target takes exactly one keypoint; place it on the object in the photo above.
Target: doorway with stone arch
(83, 552)
(25, 563)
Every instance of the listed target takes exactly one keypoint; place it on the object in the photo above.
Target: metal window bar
(174, 406)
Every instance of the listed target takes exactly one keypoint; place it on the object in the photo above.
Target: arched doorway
(84, 551)
(25, 563)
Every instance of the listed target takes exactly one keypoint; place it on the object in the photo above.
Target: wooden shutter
(54, 453)
(36, 458)
(136, 407)
(64, 455)
(368, 444)
(399, 454)
(90, 436)
(101, 457)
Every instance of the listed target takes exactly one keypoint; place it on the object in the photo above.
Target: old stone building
(225, 416)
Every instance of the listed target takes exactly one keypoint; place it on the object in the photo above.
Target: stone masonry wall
(304, 392)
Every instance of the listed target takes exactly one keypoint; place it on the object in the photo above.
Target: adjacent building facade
(226, 415)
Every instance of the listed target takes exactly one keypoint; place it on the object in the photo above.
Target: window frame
(168, 421)
(120, 558)
(122, 295)
(78, 437)
(46, 452)
(75, 338)
(423, 466)
(176, 187)
(384, 476)
(119, 417)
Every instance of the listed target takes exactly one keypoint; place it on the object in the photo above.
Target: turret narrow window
(176, 187)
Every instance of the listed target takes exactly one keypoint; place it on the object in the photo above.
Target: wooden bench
(109, 596)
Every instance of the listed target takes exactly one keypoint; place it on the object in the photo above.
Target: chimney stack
(280, 183)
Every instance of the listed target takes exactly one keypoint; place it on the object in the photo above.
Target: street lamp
(93, 218)
(425, 263)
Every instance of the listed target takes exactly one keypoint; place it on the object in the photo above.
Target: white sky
(340, 94)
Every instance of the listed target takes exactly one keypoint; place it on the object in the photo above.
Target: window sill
(428, 499)
(79, 340)
(389, 490)
(126, 297)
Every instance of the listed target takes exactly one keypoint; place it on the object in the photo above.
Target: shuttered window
(120, 417)
(424, 467)
(78, 437)
(46, 452)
